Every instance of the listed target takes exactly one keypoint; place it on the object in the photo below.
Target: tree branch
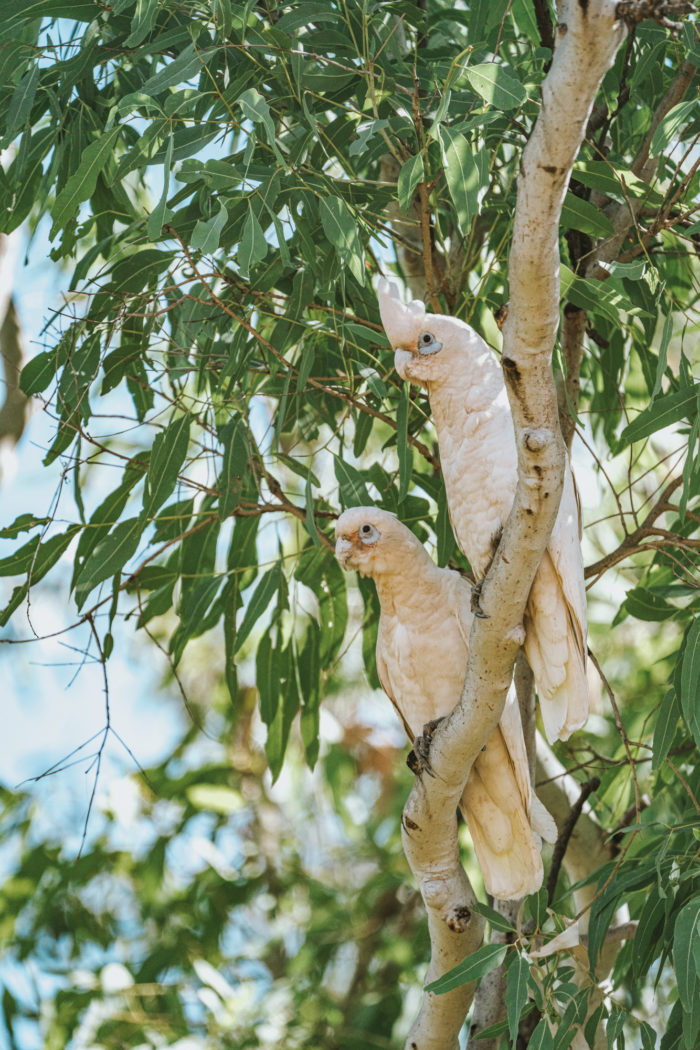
(632, 12)
(632, 540)
(587, 848)
(544, 23)
(565, 833)
(569, 387)
(489, 1001)
(586, 50)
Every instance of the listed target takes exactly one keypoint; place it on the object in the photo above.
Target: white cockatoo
(422, 651)
(469, 404)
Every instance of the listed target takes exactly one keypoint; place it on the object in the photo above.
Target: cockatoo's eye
(428, 344)
(368, 533)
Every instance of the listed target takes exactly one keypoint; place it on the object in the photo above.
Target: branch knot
(536, 440)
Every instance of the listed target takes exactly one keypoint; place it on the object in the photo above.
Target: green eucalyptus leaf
(268, 586)
(167, 457)
(353, 491)
(480, 962)
(339, 227)
(497, 85)
(579, 214)
(207, 234)
(82, 182)
(21, 103)
(462, 174)
(253, 247)
(665, 728)
(671, 124)
(405, 451)
(516, 993)
(665, 410)
(109, 556)
(412, 172)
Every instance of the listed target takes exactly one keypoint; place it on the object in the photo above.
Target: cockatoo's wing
(512, 729)
(565, 549)
(499, 824)
(503, 814)
(385, 682)
(555, 622)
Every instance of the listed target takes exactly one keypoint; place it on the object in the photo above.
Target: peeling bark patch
(459, 919)
(511, 370)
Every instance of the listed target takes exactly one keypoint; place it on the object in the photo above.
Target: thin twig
(631, 542)
(621, 731)
(565, 834)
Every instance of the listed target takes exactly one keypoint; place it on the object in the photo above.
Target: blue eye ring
(368, 533)
(427, 344)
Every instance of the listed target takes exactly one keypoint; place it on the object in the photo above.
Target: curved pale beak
(343, 550)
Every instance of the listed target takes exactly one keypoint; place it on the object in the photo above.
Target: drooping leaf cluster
(223, 181)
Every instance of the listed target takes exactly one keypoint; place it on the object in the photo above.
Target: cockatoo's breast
(480, 496)
(426, 659)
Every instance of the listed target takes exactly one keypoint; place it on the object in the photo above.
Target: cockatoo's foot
(418, 760)
(476, 598)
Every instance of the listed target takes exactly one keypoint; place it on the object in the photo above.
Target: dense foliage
(223, 181)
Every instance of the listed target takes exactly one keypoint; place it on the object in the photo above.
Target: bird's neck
(471, 400)
(407, 589)
(474, 385)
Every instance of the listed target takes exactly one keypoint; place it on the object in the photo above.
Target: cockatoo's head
(429, 348)
(376, 543)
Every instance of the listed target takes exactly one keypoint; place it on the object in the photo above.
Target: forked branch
(586, 49)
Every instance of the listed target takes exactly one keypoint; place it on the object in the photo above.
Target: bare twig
(565, 833)
(621, 730)
(632, 540)
(632, 12)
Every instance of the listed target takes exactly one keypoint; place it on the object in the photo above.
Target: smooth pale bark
(588, 37)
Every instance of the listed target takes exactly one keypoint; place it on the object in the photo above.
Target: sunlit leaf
(665, 410)
(497, 85)
(480, 962)
(462, 175)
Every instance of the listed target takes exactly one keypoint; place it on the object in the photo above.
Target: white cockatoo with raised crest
(470, 408)
(422, 652)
